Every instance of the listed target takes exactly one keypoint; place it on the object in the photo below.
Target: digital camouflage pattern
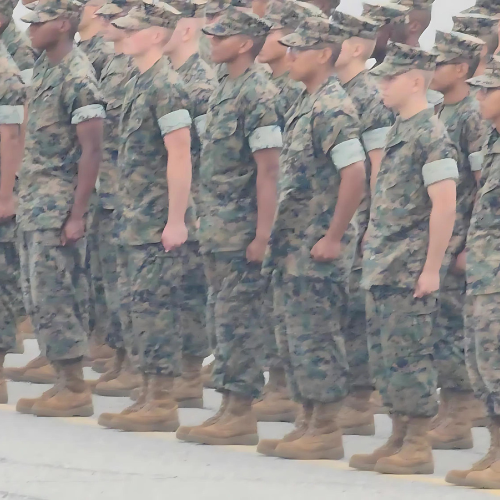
(402, 58)
(214, 7)
(491, 76)
(453, 45)
(155, 104)
(313, 31)
(241, 118)
(63, 96)
(52, 9)
(288, 14)
(200, 82)
(235, 22)
(416, 4)
(485, 7)
(149, 13)
(483, 239)
(474, 24)
(401, 346)
(356, 26)
(189, 8)
(99, 52)
(19, 47)
(205, 49)
(288, 92)
(115, 7)
(418, 153)
(385, 13)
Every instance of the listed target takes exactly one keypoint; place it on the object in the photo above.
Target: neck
(457, 93)
(89, 32)
(182, 54)
(347, 73)
(148, 60)
(413, 107)
(57, 53)
(237, 67)
(412, 40)
(317, 80)
(279, 67)
(118, 47)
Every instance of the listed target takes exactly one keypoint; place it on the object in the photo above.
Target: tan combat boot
(101, 357)
(126, 380)
(444, 397)
(37, 371)
(415, 456)
(4, 398)
(356, 415)
(158, 414)
(105, 419)
(237, 425)
(275, 404)
(454, 432)
(268, 446)
(477, 413)
(461, 477)
(206, 375)
(367, 462)
(118, 362)
(74, 399)
(188, 388)
(378, 404)
(184, 431)
(25, 328)
(322, 439)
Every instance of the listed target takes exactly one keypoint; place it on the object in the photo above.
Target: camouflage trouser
(10, 295)
(59, 292)
(269, 324)
(310, 341)
(210, 318)
(125, 297)
(156, 279)
(400, 342)
(482, 348)
(449, 353)
(238, 289)
(193, 309)
(355, 334)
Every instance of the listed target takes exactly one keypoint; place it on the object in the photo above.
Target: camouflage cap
(189, 8)
(361, 27)
(235, 22)
(7, 8)
(32, 5)
(485, 8)
(385, 13)
(216, 6)
(313, 31)
(474, 24)
(290, 13)
(48, 10)
(490, 79)
(416, 4)
(115, 7)
(149, 13)
(402, 58)
(453, 45)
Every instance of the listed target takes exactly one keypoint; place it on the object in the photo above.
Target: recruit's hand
(427, 283)
(174, 235)
(73, 230)
(256, 250)
(326, 250)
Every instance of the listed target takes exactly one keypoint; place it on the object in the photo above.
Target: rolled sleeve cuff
(439, 170)
(476, 161)
(174, 121)
(375, 139)
(265, 138)
(27, 75)
(200, 123)
(89, 112)
(346, 153)
(11, 115)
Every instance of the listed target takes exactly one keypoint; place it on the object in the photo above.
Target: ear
(357, 50)
(187, 33)
(63, 24)
(324, 55)
(245, 45)
(414, 27)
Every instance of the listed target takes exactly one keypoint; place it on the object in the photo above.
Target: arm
(179, 174)
(442, 219)
(267, 179)
(375, 161)
(89, 134)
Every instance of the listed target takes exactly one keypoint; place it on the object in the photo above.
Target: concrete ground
(75, 459)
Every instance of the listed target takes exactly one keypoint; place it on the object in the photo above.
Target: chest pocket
(391, 164)
(222, 120)
(134, 114)
(48, 109)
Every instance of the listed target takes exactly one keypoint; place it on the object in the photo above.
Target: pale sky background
(442, 12)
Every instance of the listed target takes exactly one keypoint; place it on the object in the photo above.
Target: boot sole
(36, 380)
(458, 444)
(361, 430)
(277, 417)
(246, 440)
(84, 411)
(484, 485)
(113, 393)
(390, 469)
(335, 454)
(191, 403)
(363, 467)
(134, 427)
(457, 481)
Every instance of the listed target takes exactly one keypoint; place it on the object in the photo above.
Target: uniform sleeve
(473, 137)
(375, 123)
(200, 95)
(172, 108)
(83, 100)
(337, 131)
(12, 100)
(261, 122)
(440, 158)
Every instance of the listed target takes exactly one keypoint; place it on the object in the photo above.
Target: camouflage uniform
(311, 295)
(485, 8)
(483, 268)
(418, 153)
(12, 100)
(156, 104)
(375, 122)
(241, 119)
(467, 131)
(63, 96)
(19, 47)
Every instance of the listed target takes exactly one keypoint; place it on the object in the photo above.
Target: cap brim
(487, 82)
(294, 40)
(35, 17)
(444, 58)
(388, 69)
(130, 23)
(109, 9)
(218, 29)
